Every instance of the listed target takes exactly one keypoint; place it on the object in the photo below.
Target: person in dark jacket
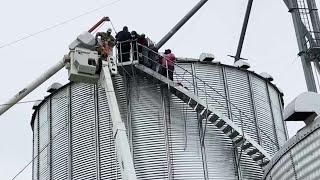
(135, 36)
(124, 38)
(154, 57)
(143, 51)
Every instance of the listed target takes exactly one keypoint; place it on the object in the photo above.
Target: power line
(59, 24)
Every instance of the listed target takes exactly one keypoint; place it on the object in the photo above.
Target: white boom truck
(84, 65)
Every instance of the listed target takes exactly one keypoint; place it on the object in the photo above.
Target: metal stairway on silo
(208, 112)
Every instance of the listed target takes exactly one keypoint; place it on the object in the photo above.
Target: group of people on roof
(142, 49)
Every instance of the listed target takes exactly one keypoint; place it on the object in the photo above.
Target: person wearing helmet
(106, 44)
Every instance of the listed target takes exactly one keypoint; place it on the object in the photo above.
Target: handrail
(234, 115)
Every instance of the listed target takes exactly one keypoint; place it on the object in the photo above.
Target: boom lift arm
(83, 65)
(41, 79)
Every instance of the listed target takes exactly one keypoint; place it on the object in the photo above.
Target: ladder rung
(264, 163)
(252, 152)
(227, 129)
(257, 158)
(239, 140)
(233, 134)
(220, 123)
(213, 117)
(246, 146)
(193, 103)
(205, 113)
(199, 108)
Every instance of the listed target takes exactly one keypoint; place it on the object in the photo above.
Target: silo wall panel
(242, 112)
(109, 167)
(185, 148)
(44, 153)
(83, 141)
(264, 115)
(35, 163)
(148, 132)
(277, 115)
(219, 152)
(122, 86)
(298, 158)
(59, 134)
(306, 157)
(283, 169)
(210, 86)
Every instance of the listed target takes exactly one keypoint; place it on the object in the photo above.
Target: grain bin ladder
(229, 128)
(206, 111)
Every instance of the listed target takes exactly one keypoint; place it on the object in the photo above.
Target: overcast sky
(270, 46)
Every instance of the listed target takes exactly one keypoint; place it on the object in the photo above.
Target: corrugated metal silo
(73, 130)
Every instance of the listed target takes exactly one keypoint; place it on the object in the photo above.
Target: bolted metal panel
(185, 148)
(283, 169)
(109, 168)
(148, 132)
(249, 169)
(44, 156)
(219, 154)
(306, 155)
(264, 115)
(299, 157)
(243, 114)
(277, 114)
(218, 147)
(59, 123)
(121, 89)
(35, 163)
(83, 132)
(215, 95)
(186, 156)
(240, 97)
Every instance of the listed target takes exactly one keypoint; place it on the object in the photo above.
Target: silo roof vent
(206, 57)
(242, 64)
(54, 87)
(36, 104)
(266, 76)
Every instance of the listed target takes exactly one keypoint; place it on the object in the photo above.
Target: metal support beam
(301, 30)
(119, 130)
(314, 16)
(180, 24)
(243, 31)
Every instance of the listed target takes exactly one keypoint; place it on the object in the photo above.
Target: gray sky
(270, 47)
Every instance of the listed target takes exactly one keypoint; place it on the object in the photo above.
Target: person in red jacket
(167, 64)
